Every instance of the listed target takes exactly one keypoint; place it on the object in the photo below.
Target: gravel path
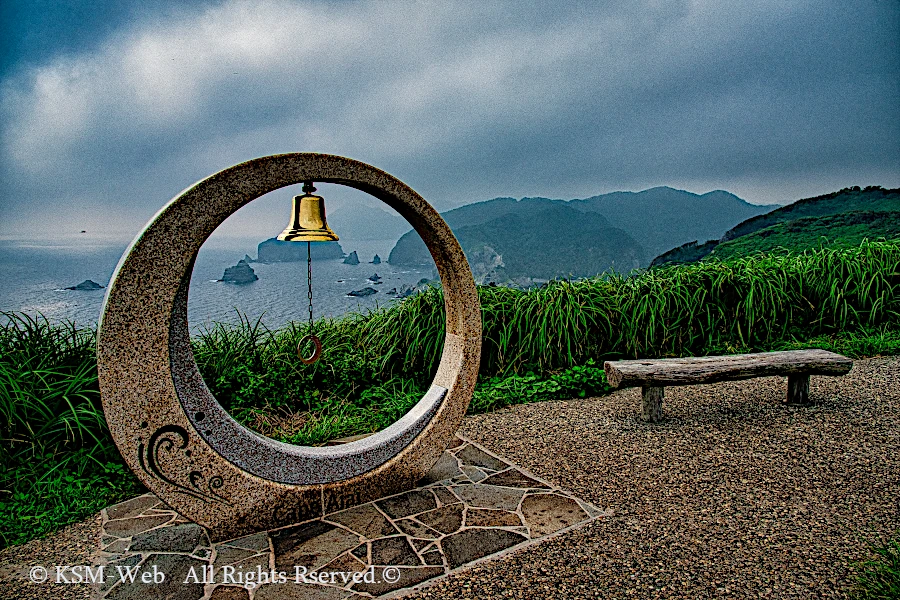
(733, 496)
(72, 545)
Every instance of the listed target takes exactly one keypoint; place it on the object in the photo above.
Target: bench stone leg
(651, 405)
(798, 389)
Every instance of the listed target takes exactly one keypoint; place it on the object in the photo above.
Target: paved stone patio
(472, 505)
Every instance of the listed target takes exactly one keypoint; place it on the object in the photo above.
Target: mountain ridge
(595, 246)
(639, 224)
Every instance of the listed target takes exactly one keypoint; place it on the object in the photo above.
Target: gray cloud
(464, 101)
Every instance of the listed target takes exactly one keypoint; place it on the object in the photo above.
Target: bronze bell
(308, 221)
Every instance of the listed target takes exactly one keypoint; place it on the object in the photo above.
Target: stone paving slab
(472, 506)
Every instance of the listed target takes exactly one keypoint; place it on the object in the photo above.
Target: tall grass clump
(49, 398)
(756, 300)
(57, 462)
(879, 578)
(751, 303)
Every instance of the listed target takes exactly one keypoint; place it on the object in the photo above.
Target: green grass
(880, 577)
(57, 462)
(40, 497)
(865, 343)
(58, 465)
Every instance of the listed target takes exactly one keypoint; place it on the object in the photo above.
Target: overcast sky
(110, 108)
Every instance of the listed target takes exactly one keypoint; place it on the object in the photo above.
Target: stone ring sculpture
(173, 433)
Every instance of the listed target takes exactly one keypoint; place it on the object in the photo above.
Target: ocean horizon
(36, 273)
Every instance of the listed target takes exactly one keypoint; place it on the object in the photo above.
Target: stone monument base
(472, 506)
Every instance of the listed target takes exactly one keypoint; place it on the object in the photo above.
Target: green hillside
(872, 198)
(685, 253)
(842, 218)
(843, 230)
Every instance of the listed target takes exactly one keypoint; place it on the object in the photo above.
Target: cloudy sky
(109, 108)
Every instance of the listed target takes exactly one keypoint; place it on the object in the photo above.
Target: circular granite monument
(174, 434)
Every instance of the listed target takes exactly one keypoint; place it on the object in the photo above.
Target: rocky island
(86, 286)
(274, 250)
(352, 259)
(363, 292)
(240, 273)
(405, 291)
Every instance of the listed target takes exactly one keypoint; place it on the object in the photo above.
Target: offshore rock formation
(86, 286)
(274, 250)
(240, 273)
(376, 260)
(363, 292)
(406, 291)
(352, 259)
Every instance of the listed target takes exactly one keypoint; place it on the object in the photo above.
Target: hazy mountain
(621, 230)
(527, 244)
(662, 217)
(411, 250)
(507, 239)
(361, 222)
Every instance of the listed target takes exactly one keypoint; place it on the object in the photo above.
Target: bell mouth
(306, 235)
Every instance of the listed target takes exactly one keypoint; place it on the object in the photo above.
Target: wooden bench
(653, 375)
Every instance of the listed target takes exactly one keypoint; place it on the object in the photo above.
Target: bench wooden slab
(654, 374)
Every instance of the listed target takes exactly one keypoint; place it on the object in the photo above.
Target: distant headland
(273, 250)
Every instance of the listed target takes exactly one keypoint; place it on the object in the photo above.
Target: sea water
(35, 273)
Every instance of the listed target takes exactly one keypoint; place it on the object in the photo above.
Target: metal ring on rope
(317, 349)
